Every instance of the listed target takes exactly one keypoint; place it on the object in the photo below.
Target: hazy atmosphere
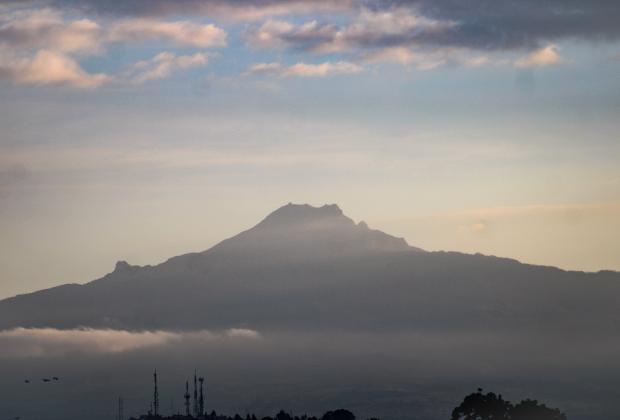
(375, 205)
(140, 130)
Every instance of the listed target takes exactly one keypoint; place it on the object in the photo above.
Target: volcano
(314, 268)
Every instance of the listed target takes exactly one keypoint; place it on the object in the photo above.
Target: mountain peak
(124, 267)
(292, 215)
(303, 232)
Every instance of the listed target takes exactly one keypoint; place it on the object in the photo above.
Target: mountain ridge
(313, 267)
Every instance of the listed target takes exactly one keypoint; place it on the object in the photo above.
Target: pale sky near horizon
(142, 130)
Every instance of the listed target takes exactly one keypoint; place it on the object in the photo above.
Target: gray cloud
(232, 9)
(386, 35)
(504, 24)
(477, 25)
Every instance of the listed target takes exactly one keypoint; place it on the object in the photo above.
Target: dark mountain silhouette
(314, 268)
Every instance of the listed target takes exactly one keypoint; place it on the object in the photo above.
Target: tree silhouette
(282, 415)
(531, 410)
(339, 414)
(479, 406)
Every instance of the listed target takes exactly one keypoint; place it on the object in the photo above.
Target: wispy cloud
(50, 342)
(582, 236)
(183, 33)
(427, 60)
(75, 159)
(162, 66)
(508, 25)
(306, 70)
(475, 227)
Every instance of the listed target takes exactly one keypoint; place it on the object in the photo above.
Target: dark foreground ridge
(339, 414)
(476, 406)
(195, 408)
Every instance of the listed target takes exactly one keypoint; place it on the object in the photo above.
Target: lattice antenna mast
(195, 395)
(186, 396)
(201, 401)
(155, 395)
(121, 415)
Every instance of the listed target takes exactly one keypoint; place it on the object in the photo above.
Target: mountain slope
(314, 268)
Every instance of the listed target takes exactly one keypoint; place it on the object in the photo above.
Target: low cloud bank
(50, 342)
(385, 374)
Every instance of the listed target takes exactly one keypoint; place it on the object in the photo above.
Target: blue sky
(140, 130)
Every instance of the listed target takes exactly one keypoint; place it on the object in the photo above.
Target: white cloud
(547, 56)
(50, 342)
(323, 69)
(178, 32)
(47, 29)
(38, 47)
(48, 68)
(55, 68)
(270, 68)
(427, 60)
(306, 70)
(242, 333)
(163, 65)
